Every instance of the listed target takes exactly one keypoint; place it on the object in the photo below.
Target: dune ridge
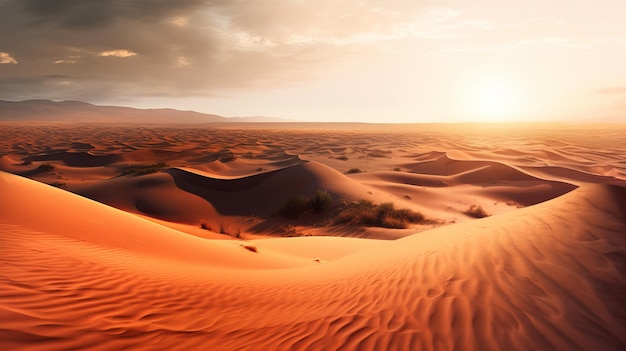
(498, 283)
(544, 272)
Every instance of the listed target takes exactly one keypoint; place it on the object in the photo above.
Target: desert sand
(193, 254)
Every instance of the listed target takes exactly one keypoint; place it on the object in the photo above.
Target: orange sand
(135, 270)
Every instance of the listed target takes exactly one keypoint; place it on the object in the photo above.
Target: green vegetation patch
(301, 205)
(476, 211)
(137, 169)
(383, 215)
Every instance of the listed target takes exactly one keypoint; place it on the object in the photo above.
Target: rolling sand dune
(501, 283)
(544, 272)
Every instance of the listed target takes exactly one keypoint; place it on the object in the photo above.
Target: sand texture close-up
(312, 237)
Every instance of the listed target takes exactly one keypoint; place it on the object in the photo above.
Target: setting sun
(493, 100)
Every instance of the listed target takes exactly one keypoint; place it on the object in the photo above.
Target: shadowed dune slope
(57, 212)
(263, 194)
(547, 277)
(155, 195)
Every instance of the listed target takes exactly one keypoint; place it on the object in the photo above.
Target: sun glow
(493, 100)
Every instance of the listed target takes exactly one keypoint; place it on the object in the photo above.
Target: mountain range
(83, 112)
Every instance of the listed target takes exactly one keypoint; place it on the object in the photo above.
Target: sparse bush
(514, 204)
(476, 211)
(354, 170)
(384, 215)
(296, 207)
(226, 156)
(137, 169)
(321, 201)
(342, 158)
(45, 167)
(224, 229)
(301, 205)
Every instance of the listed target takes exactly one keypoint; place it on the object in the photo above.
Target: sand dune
(544, 272)
(499, 283)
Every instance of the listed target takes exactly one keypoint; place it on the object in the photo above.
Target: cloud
(611, 91)
(81, 14)
(5, 58)
(117, 53)
(237, 44)
(213, 47)
(182, 61)
(180, 21)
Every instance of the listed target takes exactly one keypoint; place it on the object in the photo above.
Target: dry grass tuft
(476, 211)
(383, 215)
(301, 205)
(137, 169)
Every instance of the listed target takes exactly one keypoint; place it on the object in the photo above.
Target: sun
(493, 100)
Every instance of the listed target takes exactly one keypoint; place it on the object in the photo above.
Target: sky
(392, 61)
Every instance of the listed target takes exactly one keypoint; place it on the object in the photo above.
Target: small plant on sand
(476, 211)
(384, 215)
(226, 156)
(296, 207)
(225, 229)
(321, 201)
(342, 158)
(301, 205)
(137, 169)
(354, 171)
(45, 167)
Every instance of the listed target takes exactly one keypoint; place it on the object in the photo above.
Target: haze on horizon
(324, 60)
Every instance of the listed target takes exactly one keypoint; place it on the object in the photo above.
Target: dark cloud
(89, 13)
(101, 49)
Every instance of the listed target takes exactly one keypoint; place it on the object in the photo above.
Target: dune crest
(542, 269)
(500, 283)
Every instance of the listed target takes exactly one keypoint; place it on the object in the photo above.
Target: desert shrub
(223, 228)
(354, 170)
(301, 205)
(384, 215)
(342, 158)
(45, 167)
(321, 201)
(476, 211)
(226, 156)
(296, 207)
(137, 169)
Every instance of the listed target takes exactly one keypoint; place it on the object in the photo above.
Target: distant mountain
(260, 119)
(82, 112)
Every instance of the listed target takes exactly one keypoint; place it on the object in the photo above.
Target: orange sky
(324, 60)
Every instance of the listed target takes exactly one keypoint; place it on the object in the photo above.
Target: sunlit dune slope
(78, 274)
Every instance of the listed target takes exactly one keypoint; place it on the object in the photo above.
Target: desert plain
(175, 237)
